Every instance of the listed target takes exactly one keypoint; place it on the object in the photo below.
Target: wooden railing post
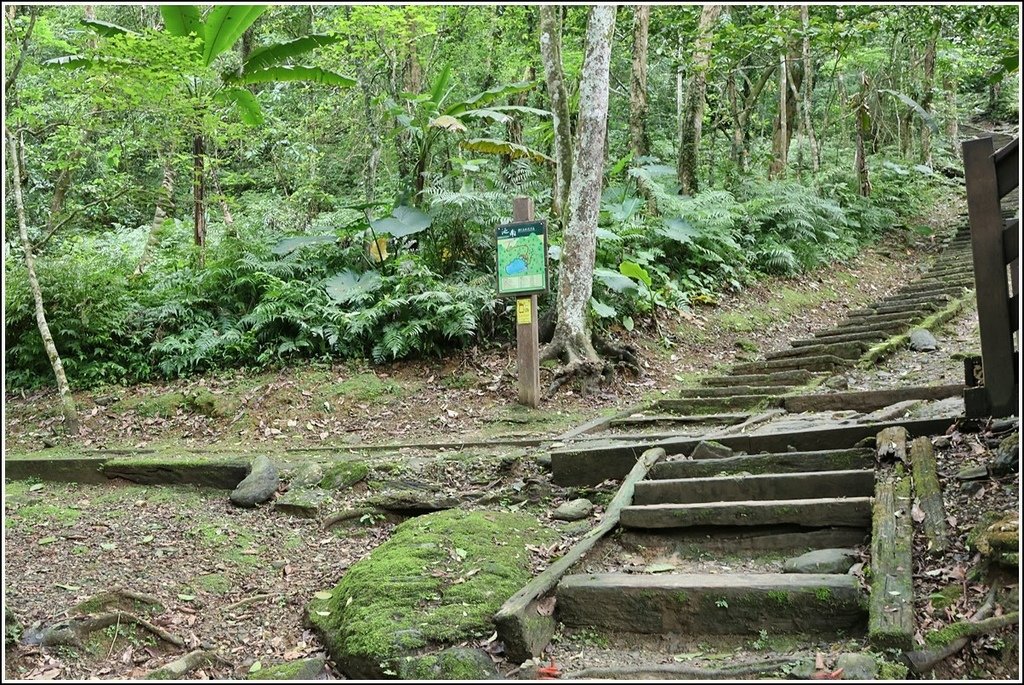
(527, 327)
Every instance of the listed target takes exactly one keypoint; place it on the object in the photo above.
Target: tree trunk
(514, 127)
(692, 117)
(639, 142)
(808, 86)
(66, 398)
(953, 126)
(229, 220)
(863, 126)
(163, 202)
(736, 151)
(780, 141)
(551, 55)
(376, 144)
(198, 191)
(928, 95)
(571, 340)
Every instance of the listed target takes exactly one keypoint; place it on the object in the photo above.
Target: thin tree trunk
(736, 138)
(571, 339)
(639, 141)
(376, 145)
(198, 190)
(163, 203)
(692, 118)
(863, 126)
(953, 125)
(780, 141)
(928, 96)
(229, 220)
(66, 398)
(808, 85)
(514, 127)
(551, 55)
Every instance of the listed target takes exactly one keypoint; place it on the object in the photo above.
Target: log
(891, 605)
(184, 665)
(929, 494)
(523, 629)
(891, 443)
(679, 671)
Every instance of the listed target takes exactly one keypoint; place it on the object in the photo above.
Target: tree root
(76, 631)
(581, 361)
(245, 602)
(184, 665)
(679, 671)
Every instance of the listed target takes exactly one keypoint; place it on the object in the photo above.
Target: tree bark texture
(692, 117)
(66, 398)
(639, 141)
(576, 275)
(786, 119)
(863, 127)
(928, 95)
(808, 89)
(551, 55)
(164, 199)
(198, 199)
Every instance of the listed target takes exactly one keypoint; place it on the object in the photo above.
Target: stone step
(843, 350)
(792, 377)
(881, 318)
(887, 328)
(821, 362)
(709, 405)
(729, 390)
(929, 304)
(767, 486)
(840, 338)
(825, 511)
(699, 604)
(657, 419)
(778, 462)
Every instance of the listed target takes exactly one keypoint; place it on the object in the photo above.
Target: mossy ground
(438, 580)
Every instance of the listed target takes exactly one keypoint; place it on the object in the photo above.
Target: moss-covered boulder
(344, 474)
(12, 627)
(302, 502)
(437, 581)
(300, 669)
(464, 664)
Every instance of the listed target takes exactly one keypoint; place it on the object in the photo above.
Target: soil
(64, 543)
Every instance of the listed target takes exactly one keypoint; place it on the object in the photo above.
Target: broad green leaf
(402, 222)
(440, 86)
(248, 107)
(74, 61)
(182, 20)
(910, 102)
(523, 109)
(555, 252)
(605, 311)
(35, 486)
(627, 323)
(680, 230)
(487, 96)
(623, 211)
(348, 285)
(108, 546)
(634, 270)
(614, 280)
(504, 147)
(255, 666)
(490, 114)
(270, 55)
(604, 234)
(448, 123)
(224, 25)
(280, 73)
(291, 244)
(186, 598)
(105, 28)
(924, 169)
(323, 594)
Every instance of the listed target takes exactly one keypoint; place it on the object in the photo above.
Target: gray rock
(822, 561)
(576, 527)
(973, 473)
(544, 460)
(857, 666)
(837, 383)
(300, 669)
(302, 502)
(259, 486)
(709, 449)
(306, 475)
(412, 502)
(941, 442)
(573, 510)
(803, 670)
(1003, 425)
(922, 340)
(454, 663)
(1007, 458)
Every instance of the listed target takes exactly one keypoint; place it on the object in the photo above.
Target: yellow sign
(524, 311)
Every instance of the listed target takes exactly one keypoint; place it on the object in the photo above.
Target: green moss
(462, 665)
(41, 512)
(164, 406)
(459, 381)
(214, 582)
(681, 597)
(746, 345)
(947, 596)
(368, 387)
(439, 579)
(344, 474)
(778, 597)
(215, 406)
(300, 669)
(822, 594)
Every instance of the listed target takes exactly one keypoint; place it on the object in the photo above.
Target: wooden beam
(527, 333)
(1007, 164)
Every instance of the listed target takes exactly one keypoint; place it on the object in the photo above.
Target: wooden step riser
(708, 405)
(797, 377)
(784, 462)
(839, 338)
(754, 540)
(889, 328)
(810, 363)
(756, 487)
(844, 350)
(740, 604)
(881, 318)
(851, 511)
(730, 391)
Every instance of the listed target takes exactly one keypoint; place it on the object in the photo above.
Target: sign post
(522, 250)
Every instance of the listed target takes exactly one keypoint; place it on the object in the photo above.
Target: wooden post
(991, 290)
(527, 336)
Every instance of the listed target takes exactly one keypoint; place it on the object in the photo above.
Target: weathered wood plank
(766, 486)
(726, 419)
(693, 604)
(843, 350)
(832, 511)
(1007, 164)
(838, 337)
(520, 626)
(782, 462)
(728, 391)
(891, 443)
(822, 362)
(794, 377)
(710, 405)
(866, 400)
(891, 605)
(929, 494)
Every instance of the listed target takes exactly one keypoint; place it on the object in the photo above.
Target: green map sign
(522, 258)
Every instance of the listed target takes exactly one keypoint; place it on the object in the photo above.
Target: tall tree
(571, 341)
(692, 116)
(928, 92)
(639, 141)
(862, 114)
(808, 84)
(551, 55)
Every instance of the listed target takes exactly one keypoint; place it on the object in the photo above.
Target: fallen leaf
(186, 598)
(48, 540)
(323, 594)
(828, 675)
(917, 513)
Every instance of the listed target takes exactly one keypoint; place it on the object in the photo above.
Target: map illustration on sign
(522, 267)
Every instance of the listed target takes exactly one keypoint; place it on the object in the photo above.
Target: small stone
(1007, 456)
(709, 449)
(922, 340)
(837, 383)
(544, 460)
(306, 475)
(822, 561)
(857, 666)
(574, 510)
(301, 502)
(1003, 425)
(941, 442)
(973, 473)
(259, 486)
(278, 564)
(454, 663)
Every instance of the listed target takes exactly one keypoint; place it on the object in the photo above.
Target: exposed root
(245, 602)
(76, 631)
(591, 361)
(680, 672)
(624, 356)
(182, 666)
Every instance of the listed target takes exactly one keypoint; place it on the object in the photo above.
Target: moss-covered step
(746, 540)
(781, 462)
(728, 604)
(826, 511)
(843, 350)
(766, 486)
(868, 400)
(927, 303)
(792, 377)
(820, 362)
(851, 321)
(887, 327)
(730, 390)
(839, 338)
(642, 420)
(891, 613)
(710, 405)
(62, 469)
(204, 471)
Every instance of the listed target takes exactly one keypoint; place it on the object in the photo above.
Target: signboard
(522, 258)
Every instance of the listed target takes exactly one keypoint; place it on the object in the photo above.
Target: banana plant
(426, 116)
(213, 35)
